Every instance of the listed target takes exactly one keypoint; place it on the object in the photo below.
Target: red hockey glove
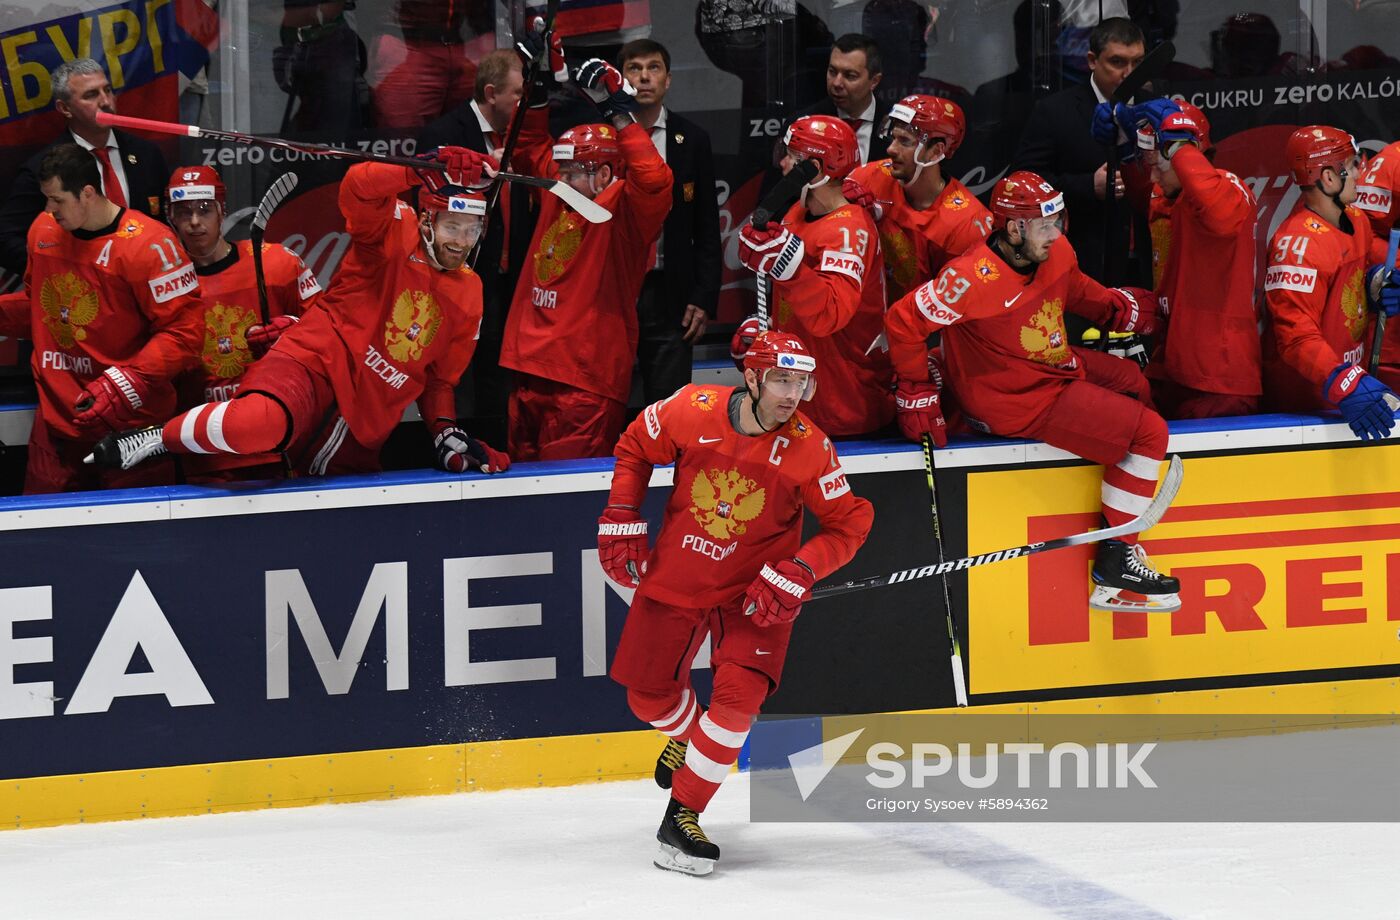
(458, 452)
(603, 83)
(775, 252)
(622, 546)
(856, 193)
(262, 336)
(113, 399)
(1133, 310)
(777, 594)
(920, 412)
(743, 337)
(465, 168)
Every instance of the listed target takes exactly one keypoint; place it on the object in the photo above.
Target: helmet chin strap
(753, 400)
(920, 164)
(823, 180)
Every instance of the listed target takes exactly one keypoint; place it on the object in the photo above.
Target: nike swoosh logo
(759, 651)
(1013, 300)
(710, 440)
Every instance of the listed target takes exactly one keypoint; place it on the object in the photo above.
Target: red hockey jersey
(738, 500)
(917, 244)
(1005, 348)
(392, 327)
(1378, 197)
(124, 295)
(574, 316)
(836, 304)
(1315, 291)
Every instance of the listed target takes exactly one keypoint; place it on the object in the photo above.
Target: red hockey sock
(252, 424)
(671, 714)
(719, 734)
(1129, 485)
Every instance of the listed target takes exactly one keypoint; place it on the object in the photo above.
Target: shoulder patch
(843, 263)
(1290, 278)
(182, 280)
(705, 399)
(834, 484)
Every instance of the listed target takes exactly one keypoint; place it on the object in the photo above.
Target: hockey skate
(125, 449)
(684, 846)
(672, 756)
(1124, 579)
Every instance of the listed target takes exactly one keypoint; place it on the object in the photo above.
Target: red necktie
(111, 185)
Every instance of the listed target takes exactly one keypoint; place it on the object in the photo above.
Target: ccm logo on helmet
(1288, 278)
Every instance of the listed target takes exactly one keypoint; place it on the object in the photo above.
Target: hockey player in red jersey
(729, 562)
(925, 218)
(234, 334)
(828, 280)
(571, 336)
(1317, 289)
(399, 324)
(113, 308)
(1000, 311)
(1206, 358)
(1378, 197)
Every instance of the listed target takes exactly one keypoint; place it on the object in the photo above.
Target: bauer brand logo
(1290, 278)
(997, 767)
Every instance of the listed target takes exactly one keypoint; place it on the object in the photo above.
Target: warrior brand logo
(1290, 278)
(935, 310)
(307, 284)
(834, 484)
(62, 361)
(843, 263)
(716, 551)
(1374, 199)
(631, 529)
(957, 565)
(544, 299)
(786, 585)
(379, 365)
(180, 281)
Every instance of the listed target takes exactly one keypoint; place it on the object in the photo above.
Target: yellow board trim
(561, 761)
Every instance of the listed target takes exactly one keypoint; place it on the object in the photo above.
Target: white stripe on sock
(681, 729)
(1140, 466)
(704, 767)
(215, 428)
(676, 713)
(187, 427)
(1126, 502)
(722, 736)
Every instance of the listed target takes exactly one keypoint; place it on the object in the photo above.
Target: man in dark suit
(680, 294)
(481, 124)
(1057, 144)
(133, 170)
(853, 71)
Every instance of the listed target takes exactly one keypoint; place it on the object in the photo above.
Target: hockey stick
(1148, 519)
(779, 197)
(1380, 315)
(274, 197)
(959, 683)
(1152, 66)
(587, 209)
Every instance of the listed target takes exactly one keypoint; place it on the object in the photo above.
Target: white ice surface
(586, 852)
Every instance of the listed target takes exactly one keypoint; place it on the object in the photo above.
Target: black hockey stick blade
(1171, 484)
(1153, 66)
(782, 195)
(275, 196)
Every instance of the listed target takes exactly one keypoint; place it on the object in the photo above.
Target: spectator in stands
(133, 171)
(681, 291)
(427, 69)
(320, 65)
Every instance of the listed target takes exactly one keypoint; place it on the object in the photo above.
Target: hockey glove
(622, 546)
(1152, 112)
(1106, 130)
(777, 594)
(458, 452)
(743, 337)
(775, 252)
(262, 336)
(1383, 290)
(536, 43)
(603, 83)
(1363, 401)
(855, 193)
(465, 168)
(1132, 310)
(919, 411)
(114, 399)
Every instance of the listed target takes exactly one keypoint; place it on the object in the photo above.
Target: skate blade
(670, 858)
(1115, 600)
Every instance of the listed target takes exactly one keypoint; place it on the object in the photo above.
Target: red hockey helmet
(195, 183)
(452, 199)
(826, 139)
(1313, 148)
(1199, 117)
(1023, 195)
(783, 351)
(591, 146)
(931, 117)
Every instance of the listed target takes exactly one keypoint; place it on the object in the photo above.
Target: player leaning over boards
(729, 562)
(1317, 288)
(1000, 311)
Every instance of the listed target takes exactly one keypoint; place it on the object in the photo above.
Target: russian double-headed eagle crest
(724, 502)
(69, 303)
(558, 247)
(412, 325)
(226, 351)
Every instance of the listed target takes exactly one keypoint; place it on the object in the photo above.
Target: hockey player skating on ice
(1000, 311)
(1317, 288)
(399, 324)
(729, 562)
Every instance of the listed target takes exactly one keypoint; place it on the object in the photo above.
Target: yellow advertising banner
(1287, 561)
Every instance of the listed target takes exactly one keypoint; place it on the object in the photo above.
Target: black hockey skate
(125, 449)
(672, 756)
(684, 846)
(1124, 579)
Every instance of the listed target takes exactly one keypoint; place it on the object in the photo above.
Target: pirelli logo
(182, 280)
(843, 263)
(834, 484)
(1373, 198)
(933, 309)
(1290, 278)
